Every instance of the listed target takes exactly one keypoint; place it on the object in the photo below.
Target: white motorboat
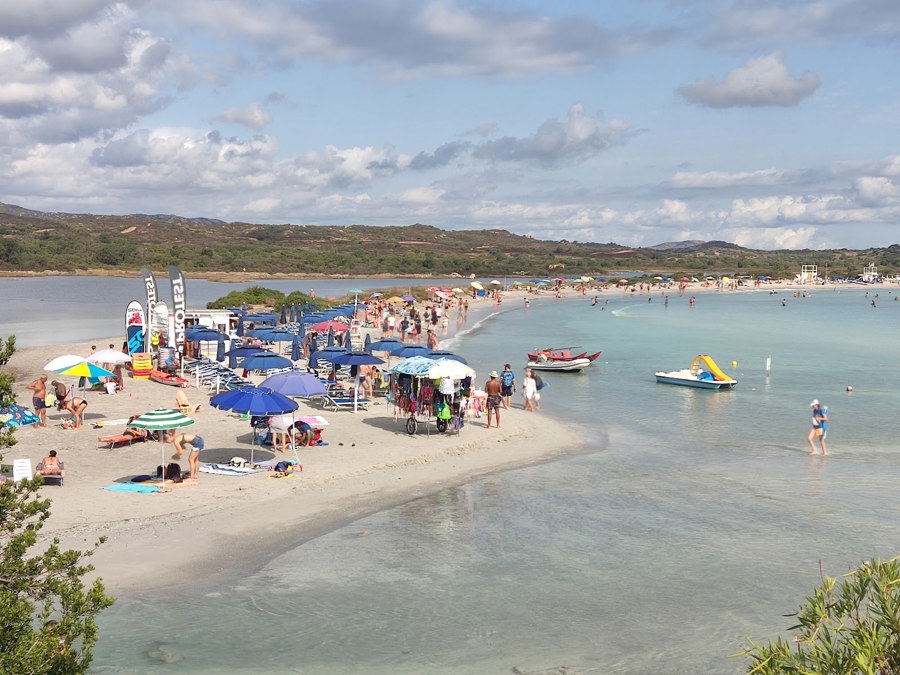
(702, 374)
(567, 366)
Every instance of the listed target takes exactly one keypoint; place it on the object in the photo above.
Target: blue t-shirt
(507, 377)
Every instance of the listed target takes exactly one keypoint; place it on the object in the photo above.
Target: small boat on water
(703, 373)
(559, 354)
(559, 365)
(171, 380)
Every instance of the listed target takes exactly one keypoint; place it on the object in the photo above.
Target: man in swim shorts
(39, 398)
(493, 390)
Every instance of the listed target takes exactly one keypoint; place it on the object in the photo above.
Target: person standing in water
(819, 428)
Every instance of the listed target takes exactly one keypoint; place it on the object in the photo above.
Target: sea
(686, 524)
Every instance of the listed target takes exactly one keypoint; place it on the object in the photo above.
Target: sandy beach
(228, 524)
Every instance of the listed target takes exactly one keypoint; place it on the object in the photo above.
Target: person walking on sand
(529, 390)
(39, 399)
(819, 428)
(494, 400)
(196, 443)
(508, 384)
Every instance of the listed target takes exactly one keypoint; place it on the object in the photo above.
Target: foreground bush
(851, 626)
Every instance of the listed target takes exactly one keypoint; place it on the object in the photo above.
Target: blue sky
(770, 124)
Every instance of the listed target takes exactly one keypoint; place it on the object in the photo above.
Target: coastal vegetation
(34, 241)
(851, 626)
(47, 610)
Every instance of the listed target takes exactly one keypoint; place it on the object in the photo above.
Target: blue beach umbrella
(357, 359)
(367, 344)
(417, 366)
(263, 360)
(387, 344)
(239, 331)
(292, 316)
(295, 383)
(283, 316)
(295, 348)
(413, 350)
(220, 349)
(444, 354)
(255, 401)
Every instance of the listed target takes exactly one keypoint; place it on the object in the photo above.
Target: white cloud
(764, 81)
(252, 116)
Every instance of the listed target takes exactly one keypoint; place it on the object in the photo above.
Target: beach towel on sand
(132, 487)
(225, 470)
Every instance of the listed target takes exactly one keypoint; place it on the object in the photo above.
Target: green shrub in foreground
(846, 627)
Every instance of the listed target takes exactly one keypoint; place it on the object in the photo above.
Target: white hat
(814, 403)
(494, 373)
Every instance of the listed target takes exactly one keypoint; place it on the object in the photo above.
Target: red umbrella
(324, 326)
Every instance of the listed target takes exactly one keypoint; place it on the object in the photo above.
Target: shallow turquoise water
(691, 521)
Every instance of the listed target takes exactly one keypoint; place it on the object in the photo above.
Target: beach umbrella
(220, 349)
(387, 344)
(243, 351)
(394, 298)
(202, 334)
(161, 420)
(376, 295)
(239, 329)
(63, 361)
(444, 354)
(449, 368)
(313, 305)
(113, 356)
(283, 316)
(408, 298)
(413, 350)
(254, 401)
(84, 369)
(476, 285)
(330, 324)
(417, 366)
(357, 359)
(329, 342)
(292, 316)
(295, 348)
(367, 343)
(327, 354)
(263, 360)
(295, 383)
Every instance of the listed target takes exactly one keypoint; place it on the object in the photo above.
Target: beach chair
(53, 479)
(21, 470)
(119, 440)
(345, 403)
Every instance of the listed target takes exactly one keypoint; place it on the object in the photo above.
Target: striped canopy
(162, 419)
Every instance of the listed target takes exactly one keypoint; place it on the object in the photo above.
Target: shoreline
(224, 526)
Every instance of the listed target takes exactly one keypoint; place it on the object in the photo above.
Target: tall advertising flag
(150, 283)
(179, 306)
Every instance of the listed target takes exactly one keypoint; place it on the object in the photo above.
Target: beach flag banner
(134, 327)
(179, 306)
(150, 284)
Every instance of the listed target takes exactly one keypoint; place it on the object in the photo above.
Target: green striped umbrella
(162, 420)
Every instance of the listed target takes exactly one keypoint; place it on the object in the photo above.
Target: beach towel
(225, 470)
(16, 416)
(140, 488)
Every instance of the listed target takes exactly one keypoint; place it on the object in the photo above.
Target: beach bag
(538, 382)
(50, 399)
(173, 472)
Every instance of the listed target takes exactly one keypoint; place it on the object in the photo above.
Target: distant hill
(37, 241)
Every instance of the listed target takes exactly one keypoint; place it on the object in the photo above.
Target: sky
(772, 124)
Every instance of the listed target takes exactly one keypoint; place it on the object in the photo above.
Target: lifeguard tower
(808, 274)
(870, 274)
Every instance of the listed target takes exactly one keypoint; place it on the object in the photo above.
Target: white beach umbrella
(113, 356)
(64, 361)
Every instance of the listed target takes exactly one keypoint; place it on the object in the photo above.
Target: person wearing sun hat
(819, 427)
(494, 400)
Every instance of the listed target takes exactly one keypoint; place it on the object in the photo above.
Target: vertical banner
(134, 327)
(150, 284)
(178, 306)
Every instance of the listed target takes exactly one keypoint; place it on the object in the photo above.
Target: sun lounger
(118, 441)
(345, 403)
(53, 478)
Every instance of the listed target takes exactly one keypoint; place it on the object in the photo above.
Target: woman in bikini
(76, 407)
(196, 443)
